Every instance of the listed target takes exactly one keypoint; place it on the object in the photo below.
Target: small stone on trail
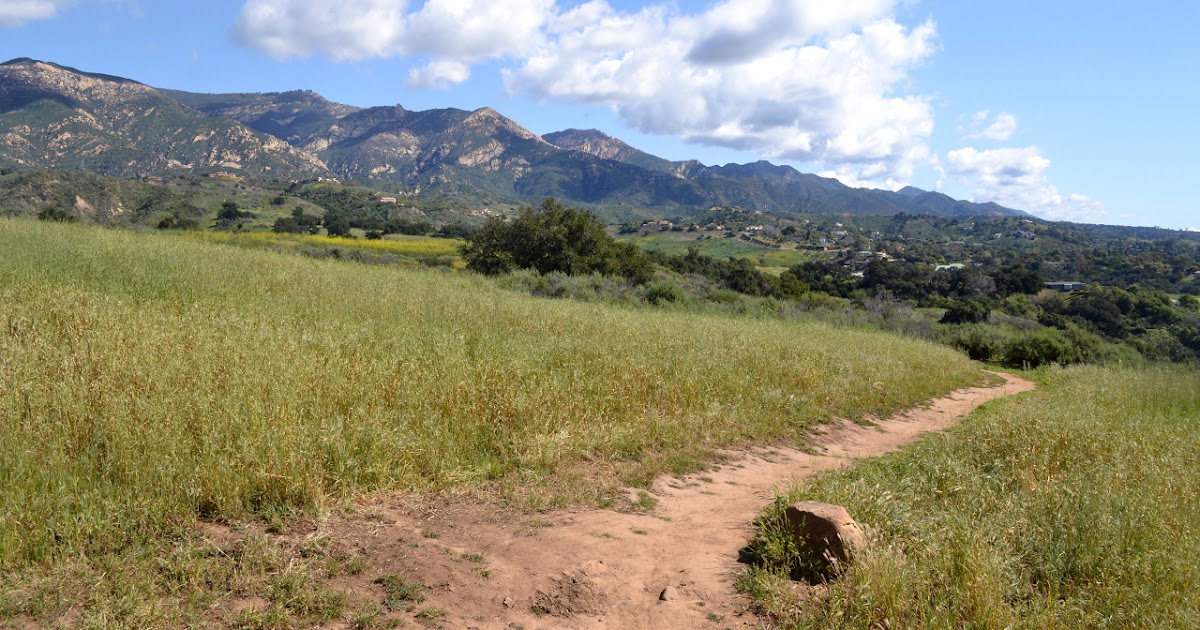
(668, 594)
(508, 602)
(828, 530)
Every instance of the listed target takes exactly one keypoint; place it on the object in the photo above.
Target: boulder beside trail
(827, 533)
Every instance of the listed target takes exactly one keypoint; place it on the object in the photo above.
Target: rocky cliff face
(290, 116)
(417, 149)
(606, 147)
(56, 117)
(428, 148)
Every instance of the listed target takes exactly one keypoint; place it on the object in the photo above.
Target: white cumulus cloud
(454, 33)
(1015, 177)
(18, 12)
(984, 127)
(343, 31)
(803, 80)
(439, 73)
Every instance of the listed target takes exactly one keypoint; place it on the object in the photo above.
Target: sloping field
(1075, 506)
(150, 380)
(398, 244)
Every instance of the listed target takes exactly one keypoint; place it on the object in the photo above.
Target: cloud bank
(453, 34)
(1015, 177)
(18, 12)
(794, 81)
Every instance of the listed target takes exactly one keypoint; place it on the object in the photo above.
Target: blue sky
(1077, 111)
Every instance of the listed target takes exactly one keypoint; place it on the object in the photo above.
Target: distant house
(1065, 286)
(949, 267)
(387, 200)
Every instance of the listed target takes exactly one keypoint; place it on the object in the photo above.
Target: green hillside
(1071, 507)
(150, 380)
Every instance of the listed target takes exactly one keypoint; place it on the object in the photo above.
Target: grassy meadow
(719, 247)
(148, 381)
(397, 245)
(1076, 506)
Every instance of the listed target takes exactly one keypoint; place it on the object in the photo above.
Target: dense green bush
(298, 223)
(972, 311)
(981, 342)
(54, 213)
(663, 291)
(554, 238)
(1036, 348)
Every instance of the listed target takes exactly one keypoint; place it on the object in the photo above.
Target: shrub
(171, 222)
(980, 342)
(54, 213)
(1160, 345)
(230, 212)
(972, 311)
(551, 239)
(663, 291)
(1039, 348)
(723, 296)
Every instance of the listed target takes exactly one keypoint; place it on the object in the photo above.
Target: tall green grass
(1077, 506)
(399, 244)
(719, 247)
(147, 380)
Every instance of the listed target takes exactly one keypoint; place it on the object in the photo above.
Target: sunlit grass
(720, 248)
(1073, 507)
(147, 380)
(413, 246)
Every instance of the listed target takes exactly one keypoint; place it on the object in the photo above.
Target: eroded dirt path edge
(607, 569)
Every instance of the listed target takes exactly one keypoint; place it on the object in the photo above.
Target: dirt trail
(607, 569)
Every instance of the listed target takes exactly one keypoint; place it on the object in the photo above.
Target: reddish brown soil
(486, 567)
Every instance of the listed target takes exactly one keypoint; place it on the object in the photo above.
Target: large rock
(826, 533)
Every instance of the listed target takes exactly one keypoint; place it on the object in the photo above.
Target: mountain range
(57, 117)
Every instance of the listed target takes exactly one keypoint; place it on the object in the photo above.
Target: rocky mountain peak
(28, 75)
(591, 141)
(60, 117)
(488, 120)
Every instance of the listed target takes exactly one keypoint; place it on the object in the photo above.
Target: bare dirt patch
(486, 567)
